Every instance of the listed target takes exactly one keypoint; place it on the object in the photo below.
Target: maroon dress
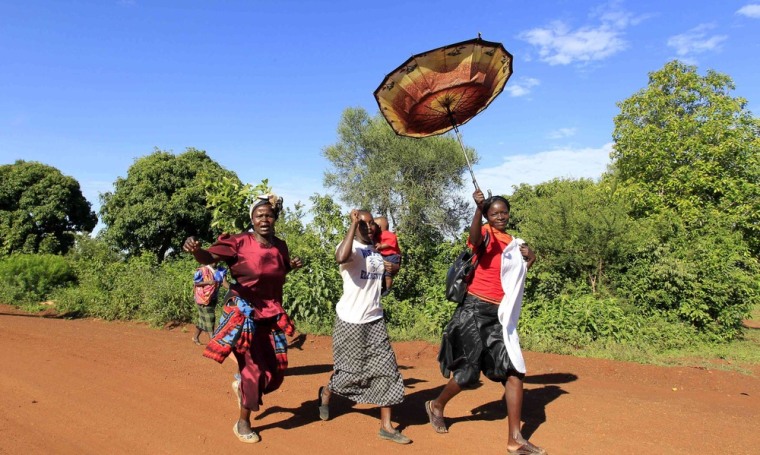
(259, 275)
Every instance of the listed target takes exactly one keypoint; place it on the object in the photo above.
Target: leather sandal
(439, 425)
(527, 449)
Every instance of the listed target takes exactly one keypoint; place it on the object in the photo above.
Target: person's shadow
(412, 410)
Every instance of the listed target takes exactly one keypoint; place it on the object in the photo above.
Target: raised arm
(476, 237)
(343, 253)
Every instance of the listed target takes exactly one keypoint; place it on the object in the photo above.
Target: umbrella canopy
(435, 91)
(440, 89)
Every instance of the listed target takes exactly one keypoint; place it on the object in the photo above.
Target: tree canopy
(684, 143)
(415, 182)
(581, 229)
(41, 209)
(161, 202)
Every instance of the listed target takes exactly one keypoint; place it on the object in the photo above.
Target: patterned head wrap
(271, 199)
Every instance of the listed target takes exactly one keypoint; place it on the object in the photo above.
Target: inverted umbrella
(438, 90)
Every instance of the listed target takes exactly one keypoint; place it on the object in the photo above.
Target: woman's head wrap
(271, 199)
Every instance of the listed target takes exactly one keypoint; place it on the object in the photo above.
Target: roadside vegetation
(656, 261)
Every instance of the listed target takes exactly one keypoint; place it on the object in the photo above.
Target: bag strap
(481, 249)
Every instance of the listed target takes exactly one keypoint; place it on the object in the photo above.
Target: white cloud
(558, 44)
(562, 133)
(544, 166)
(696, 41)
(521, 87)
(752, 10)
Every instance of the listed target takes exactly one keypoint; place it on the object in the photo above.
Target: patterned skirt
(365, 369)
(206, 316)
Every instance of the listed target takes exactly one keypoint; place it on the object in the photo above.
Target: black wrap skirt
(473, 341)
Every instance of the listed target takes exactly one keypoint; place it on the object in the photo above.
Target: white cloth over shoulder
(513, 271)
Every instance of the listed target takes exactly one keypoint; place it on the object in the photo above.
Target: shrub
(30, 278)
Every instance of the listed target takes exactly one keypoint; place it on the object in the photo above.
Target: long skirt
(206, 316)
(365, 368)
(261, 367)
(472, 342)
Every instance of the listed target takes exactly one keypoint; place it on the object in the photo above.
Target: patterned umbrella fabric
(437, 90)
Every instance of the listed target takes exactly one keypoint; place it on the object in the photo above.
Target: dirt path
(88, 386)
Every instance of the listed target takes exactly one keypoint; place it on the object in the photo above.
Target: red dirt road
(88, 386)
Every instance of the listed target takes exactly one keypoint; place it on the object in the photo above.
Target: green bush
(133, 289)
(584, 322)
(30, 278)
(703, 276)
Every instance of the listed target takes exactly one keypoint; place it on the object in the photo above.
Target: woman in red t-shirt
(473, 340)
(254, 321)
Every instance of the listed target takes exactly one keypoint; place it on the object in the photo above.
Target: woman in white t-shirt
(365, 368)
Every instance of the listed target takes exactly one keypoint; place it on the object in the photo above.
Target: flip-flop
(527, 449)
(439, 425)
(324, 409)
(198, 342)
(250, 438)
(394, 436)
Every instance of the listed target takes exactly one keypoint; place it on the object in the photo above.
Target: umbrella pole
(461, 144)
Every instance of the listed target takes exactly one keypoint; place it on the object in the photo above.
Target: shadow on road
(308, 369)
(412, 411)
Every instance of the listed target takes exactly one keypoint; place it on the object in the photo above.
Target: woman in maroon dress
(254, 324)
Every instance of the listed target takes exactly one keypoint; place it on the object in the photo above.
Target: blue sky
(90, 86)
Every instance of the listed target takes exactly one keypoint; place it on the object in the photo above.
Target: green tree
(161, 202)
(684, 143)
(701, 275)
(580, 229)
(230, 200)
(415, 182)
(41, 209)
(311, 292)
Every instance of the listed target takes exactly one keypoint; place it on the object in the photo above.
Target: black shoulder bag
(459, 273)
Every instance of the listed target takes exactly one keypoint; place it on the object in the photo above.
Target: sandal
(324, 409)
(527, 449)
(439, 425)
(250, 438)
(394, 436)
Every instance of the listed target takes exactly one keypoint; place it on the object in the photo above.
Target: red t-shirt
(486, 281)
(259, 272)
(390, 239)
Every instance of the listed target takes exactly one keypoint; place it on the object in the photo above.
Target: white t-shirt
(362, 282)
